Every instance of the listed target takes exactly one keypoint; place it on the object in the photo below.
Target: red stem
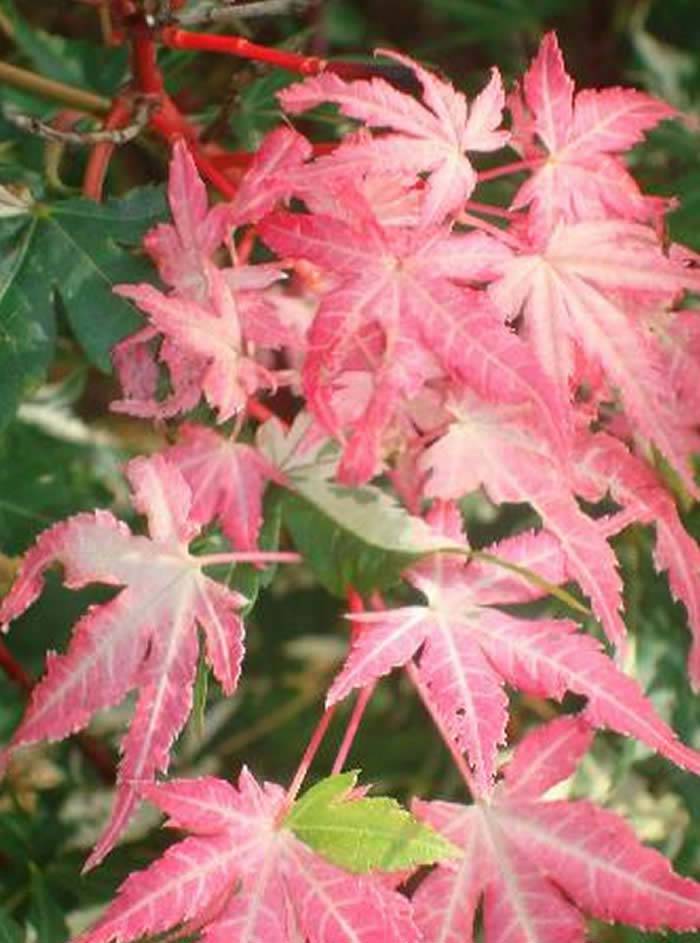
(355, 604)
(488, 210)
(363, 699)
(468, 220)
(308, 757)
(14, 671)
(144, 62)
(243, 159)
(506, 169)
(101, 154)
(223, 184)
(259, 411)
(239, 46)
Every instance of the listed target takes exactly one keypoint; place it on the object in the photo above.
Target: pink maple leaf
(389, 288)
(205, 345)
(432, 136)
(268, 179)
(137, 365)
(605, 466)
(584, 295)
(227, 480)
(512, 450)
(539, 866)
(183, 251)
(466, 650)
(243, 876)
(579, 140)
(144, 638)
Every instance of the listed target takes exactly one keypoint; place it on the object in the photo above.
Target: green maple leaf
(362, 834)
(69, 253)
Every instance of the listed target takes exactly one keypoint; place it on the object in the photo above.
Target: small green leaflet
(360, 834)
(70, 253)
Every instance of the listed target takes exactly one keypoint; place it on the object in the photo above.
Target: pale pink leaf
(430, 136)
(227, 480)
(539, 867)
(582, 176)
(546, 756)
(183, 252)
(145, 637)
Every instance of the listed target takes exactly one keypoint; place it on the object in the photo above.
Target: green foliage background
(62, 451)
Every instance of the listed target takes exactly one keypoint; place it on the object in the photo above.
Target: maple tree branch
(14, 671)
(101, 155)
(69, 95)
(209, 12)
(109, 133)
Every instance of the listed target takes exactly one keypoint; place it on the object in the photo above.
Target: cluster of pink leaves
(543, 362)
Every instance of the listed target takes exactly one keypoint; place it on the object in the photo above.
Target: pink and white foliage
(182, 252)
(579, 140)
(227, 480)
(144, 638)
(208, 338)
(584, 294)
(388, 285)
(537, 867)
(511, 450)
(243, 877)
(432, 136)
(268, 178)
(604, 466)
(466, 650)
(137, 361)
(449, 359)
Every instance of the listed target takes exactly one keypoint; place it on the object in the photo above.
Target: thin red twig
(308, 757)
(101, 154)
(243, 48)
(358, 711)
(488, 210)
(14, 671)
(355, 604)
(514, 168)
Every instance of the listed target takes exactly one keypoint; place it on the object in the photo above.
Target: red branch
(241, 47)
(98, 162)
(14, 671)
